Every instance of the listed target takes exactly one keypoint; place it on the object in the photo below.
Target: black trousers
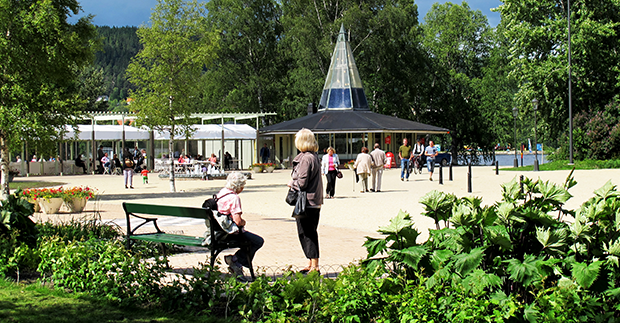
(331, 182)
(308, 237)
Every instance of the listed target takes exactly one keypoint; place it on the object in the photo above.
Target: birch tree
(176, 47)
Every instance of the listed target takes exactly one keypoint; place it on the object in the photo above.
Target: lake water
(507, 160)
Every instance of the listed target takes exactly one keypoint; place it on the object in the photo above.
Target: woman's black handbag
(339, 174)
(299, 199)
(291, 197)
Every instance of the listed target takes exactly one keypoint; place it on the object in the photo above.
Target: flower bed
(75, 198)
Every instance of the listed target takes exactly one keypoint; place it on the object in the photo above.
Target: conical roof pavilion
(343, 86)
(343, 107)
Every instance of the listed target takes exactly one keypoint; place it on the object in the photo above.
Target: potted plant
(50, 199)
(75, 198)
(350, 164)
(270, 167)
(31, 195)
(257, 168)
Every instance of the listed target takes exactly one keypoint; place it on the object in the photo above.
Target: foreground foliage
(518, 253)
(525, 258)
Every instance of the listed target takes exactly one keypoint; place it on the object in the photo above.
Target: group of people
(407, 154)
(213, 160)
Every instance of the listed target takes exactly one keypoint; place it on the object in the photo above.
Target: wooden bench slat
(186, 212)
(170, 238)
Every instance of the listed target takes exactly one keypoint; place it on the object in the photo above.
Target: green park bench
(219, 241)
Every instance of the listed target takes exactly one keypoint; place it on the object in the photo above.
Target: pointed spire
(343, 87)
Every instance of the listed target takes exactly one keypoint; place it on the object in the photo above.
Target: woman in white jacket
(329, 168)
(363, 165)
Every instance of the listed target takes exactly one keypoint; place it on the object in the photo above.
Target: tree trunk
(4, 166)
(171, 158)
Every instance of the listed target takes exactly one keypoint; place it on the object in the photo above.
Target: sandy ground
(345, 220)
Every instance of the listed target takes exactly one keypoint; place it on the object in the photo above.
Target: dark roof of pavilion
(350, 121)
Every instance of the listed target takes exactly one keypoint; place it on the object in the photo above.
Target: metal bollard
(469, 178)
(521, 183)
(440, 174)
(450, 173)
(496, 167)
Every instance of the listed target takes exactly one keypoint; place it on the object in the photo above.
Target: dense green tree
(384, 37)
(92, 89)
(120, 45)
(538, 34)
(176, 48)
(496, 89)
(41, 54)
(247, 75)
(458, 41)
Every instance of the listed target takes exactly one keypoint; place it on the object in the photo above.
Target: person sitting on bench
(80, 163)
(229, 204)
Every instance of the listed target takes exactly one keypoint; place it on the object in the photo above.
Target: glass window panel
(341, 143)
(323, 143)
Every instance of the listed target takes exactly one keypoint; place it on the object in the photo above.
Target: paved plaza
(345, 220)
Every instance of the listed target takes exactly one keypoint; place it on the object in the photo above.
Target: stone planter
(77, 204)
(50, 206)
(257, 169)
(37, 208)
(270, 169)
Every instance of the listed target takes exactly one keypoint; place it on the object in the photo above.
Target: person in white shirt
(418, 153)
(105, 161)
(379, 160)
(329, 168)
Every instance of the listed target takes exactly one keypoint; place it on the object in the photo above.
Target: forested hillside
(120, 44)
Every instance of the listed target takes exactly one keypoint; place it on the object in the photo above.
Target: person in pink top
(229, 204)
(329, 167)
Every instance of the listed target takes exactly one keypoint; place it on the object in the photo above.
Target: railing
(46, 168)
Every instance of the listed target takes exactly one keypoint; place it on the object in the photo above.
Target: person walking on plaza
(418, 152)
(128, 165)
(145, 175)
(229, 204)
(363, 165)
(306, 176)
(430, 152)
(329, 167)
(404, 153)
(264, 154)
(379, 160)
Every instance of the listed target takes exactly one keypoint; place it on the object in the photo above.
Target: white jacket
(325, 163)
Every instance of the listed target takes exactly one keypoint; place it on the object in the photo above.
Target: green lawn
(35, 303)
(22, 184)
(578, 164)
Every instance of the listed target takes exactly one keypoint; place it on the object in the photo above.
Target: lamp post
(570, 98)
(515, 113)
(535, 108)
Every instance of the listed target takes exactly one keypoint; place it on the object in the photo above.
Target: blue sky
(120, 13)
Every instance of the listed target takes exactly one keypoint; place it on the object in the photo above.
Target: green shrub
(519, 247)
(15, 217)
(79, 230)
(103, 268)
(16, 258)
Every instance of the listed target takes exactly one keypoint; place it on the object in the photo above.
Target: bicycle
(416, 164)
